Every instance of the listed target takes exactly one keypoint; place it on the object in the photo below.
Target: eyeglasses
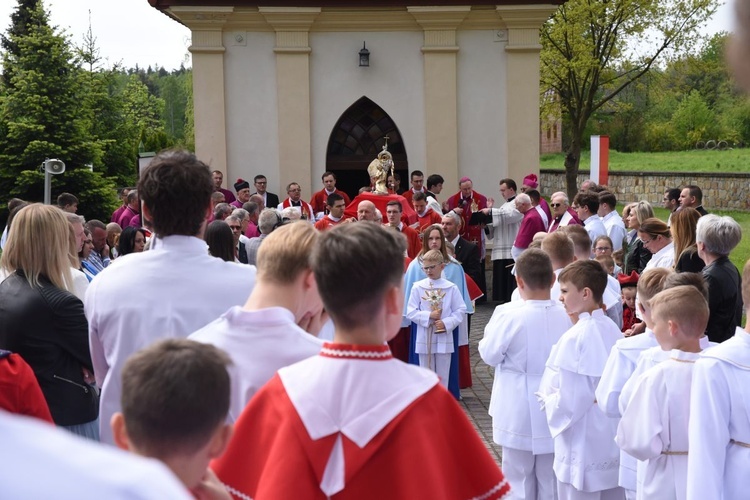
(429, 268)
(646, 242)
(555, 205)
(602, 249)
(235, 228)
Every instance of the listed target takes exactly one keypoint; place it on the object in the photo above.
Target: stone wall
(721, 191)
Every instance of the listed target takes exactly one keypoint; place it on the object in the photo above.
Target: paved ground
(476, 399)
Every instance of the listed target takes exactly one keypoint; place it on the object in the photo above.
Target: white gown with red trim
(356, 423)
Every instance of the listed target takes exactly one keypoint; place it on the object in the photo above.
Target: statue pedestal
(408, 215)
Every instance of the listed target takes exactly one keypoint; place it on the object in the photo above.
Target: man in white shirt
(264, 335)
(167, 292)
(586, 205)
(612, 220)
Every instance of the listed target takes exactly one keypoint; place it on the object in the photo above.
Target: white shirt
(167, 292)
(80, 283)
(419, 308)
(593, 225)
(38, 460)
(719, 409)
(517, 342)
(506, 221)
(662, 258)
(615, 229)
(259, 343)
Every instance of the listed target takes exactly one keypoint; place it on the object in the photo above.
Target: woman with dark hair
(686, 255)
(220, 241)
(132, 240)
(656, 238)
(41, 320)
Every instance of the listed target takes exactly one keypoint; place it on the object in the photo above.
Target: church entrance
(357, 139)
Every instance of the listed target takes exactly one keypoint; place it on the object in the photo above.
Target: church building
(290, 89)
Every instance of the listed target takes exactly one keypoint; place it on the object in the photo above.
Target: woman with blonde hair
(41, 320)
(686, 258)
(637, 257)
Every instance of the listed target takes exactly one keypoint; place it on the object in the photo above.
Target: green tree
(593, 49)
(40, 114)
(19, 26)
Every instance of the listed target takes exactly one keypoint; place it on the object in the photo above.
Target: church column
(522, 85)
(292, 26)
(207, 48)
(440, 87)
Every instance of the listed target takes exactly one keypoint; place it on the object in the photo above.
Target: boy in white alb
(586, 457)
(436, 306)
(517, 341)
(654, 425)
(622, 362)
(719, 427)
(269, 331)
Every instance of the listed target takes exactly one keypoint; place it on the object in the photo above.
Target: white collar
(455, 241)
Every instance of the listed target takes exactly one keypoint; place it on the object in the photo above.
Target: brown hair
(559, 247)
(651, 282)
(176, 188)
(684, 222)
(425, 243)
(534, 267)
(606, 261)
(654, 227)
(175, 394)
(586, 274)
(286, 253)
(350, 256)
(579, 236)
(684, 305)
(691, 279)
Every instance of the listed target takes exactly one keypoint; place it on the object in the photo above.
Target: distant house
(279, 88)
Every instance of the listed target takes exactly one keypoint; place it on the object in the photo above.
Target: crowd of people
(236, 345)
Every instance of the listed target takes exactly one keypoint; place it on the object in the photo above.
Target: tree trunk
(572, 161)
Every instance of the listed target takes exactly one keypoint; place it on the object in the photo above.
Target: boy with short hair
(719, 428)
(353, 421)
(622, 362)
(586, 457)
(517, 342)
(654, 425)
(270, 330)
(436, 307)
(175, 399)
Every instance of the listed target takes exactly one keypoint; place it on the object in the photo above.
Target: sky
(132, 32)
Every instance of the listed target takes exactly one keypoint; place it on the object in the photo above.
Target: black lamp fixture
(364, 56)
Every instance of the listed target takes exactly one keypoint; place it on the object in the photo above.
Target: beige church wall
(394, 81)
(251, 111)
(482, 145)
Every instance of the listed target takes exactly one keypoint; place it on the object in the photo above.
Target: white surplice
(419, 308)
(719, 459)
(620, 366)
(615, 229)
(38, 460)
(654, 427)
(517, 342)
(260, 343)
(169, 291)
(586, 455)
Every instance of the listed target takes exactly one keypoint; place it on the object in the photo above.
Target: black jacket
(467, 253)
(724, 299)
(47, 327)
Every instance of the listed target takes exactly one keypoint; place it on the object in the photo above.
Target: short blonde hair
(433, 256)
(684, 305)
(39, 244)
(286, 252)
(651, 282)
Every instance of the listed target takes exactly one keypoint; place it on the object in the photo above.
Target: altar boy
(586, 457)
(719, 423)
(353, 421)
(517, 342)
(654, 425)
(436, 307)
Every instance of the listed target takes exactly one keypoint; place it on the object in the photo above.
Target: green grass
(731, 160)
(741, 253)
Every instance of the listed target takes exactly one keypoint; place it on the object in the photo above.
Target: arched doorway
(356, 140)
